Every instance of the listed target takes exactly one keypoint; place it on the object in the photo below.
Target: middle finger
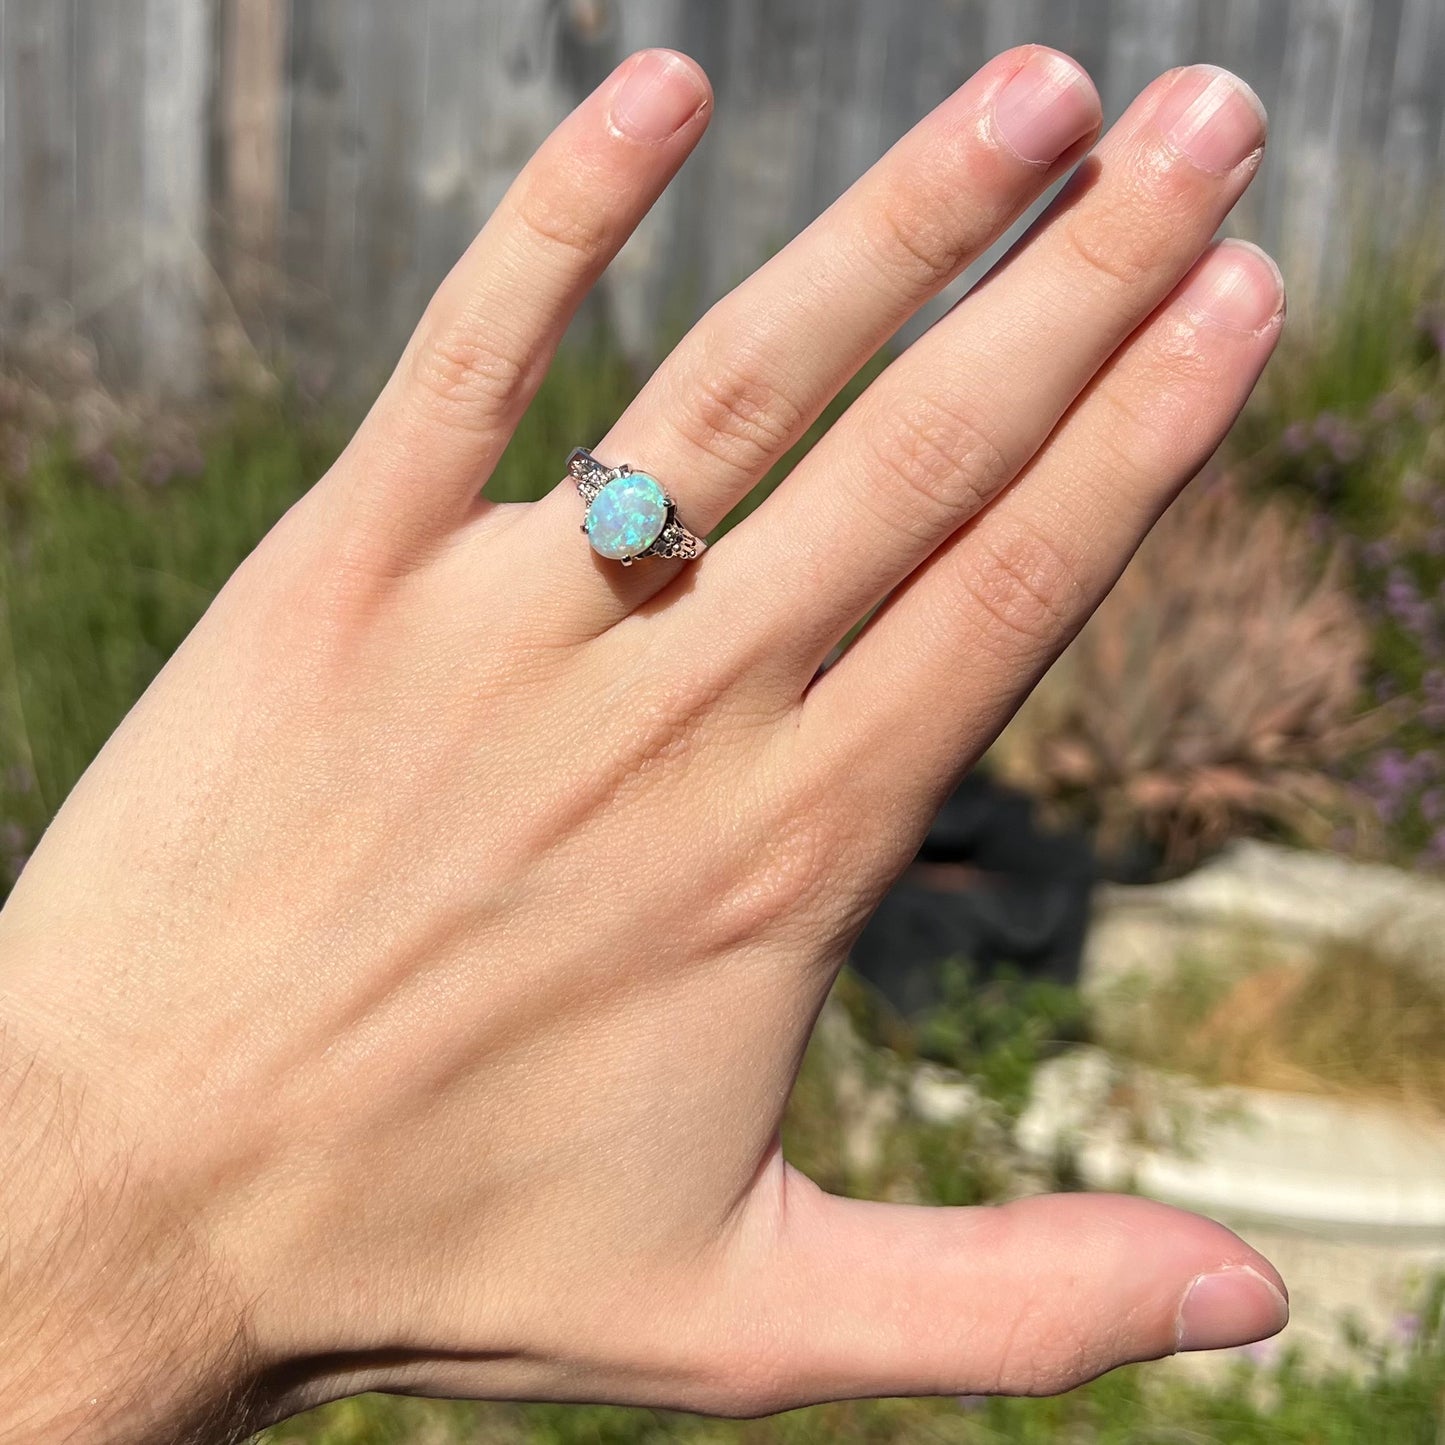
(950, 423)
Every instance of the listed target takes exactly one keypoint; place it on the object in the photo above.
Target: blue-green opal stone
(626, 516)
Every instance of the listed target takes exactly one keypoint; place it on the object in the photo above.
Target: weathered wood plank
(249, 190)
(387, 293)
(174, 194)
(1147, 37)
(359, 146)
(1017, 24)
(453, 118)
(1302, 127)
(319, 214)
(109, 261)
(38, 190)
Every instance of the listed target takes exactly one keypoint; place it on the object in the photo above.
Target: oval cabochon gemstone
(627, 516)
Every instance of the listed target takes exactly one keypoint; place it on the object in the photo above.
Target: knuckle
(1181, 366)
(744, 1387)
(1149, 431)
(740, 419)
(1043, 1368)
(1136, 453)
(1024, 589)
(470, 381)
(1138, 435)
(942, 459)
(1035, 1348)
(916, 246)
(551, 219)
(1120, 257)
(786, 871)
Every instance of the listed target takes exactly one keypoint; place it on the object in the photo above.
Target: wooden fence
(300, 173)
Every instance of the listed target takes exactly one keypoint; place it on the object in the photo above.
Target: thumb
(859, 1299)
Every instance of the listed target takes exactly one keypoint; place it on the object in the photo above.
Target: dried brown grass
(1348, 1022)
(1216, 693)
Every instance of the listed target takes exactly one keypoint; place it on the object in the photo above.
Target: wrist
(115, 1323)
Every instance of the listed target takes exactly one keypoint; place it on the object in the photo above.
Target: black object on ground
(989, 887)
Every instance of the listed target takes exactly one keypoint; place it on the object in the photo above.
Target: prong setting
(633, 516)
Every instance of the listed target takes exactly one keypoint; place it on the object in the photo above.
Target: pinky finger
(945, 663)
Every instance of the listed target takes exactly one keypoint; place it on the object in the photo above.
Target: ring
(628, 513)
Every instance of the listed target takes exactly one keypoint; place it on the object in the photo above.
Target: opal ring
(628, 513)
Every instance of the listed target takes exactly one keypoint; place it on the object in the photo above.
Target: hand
(408, 996)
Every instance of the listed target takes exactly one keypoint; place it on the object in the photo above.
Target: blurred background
(1183, 932)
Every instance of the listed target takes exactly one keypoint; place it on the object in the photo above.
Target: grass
(993, 1029)
(1347, 1021)
(100, 581)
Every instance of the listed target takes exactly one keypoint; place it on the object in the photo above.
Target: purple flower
(1386, 408)
(19, 778)
(1262, 1352)
(157, 470)
(1430, 323)
(1295, 439)
(105, 469)
(1386, 783)
(1392, 770)
(1405, 605)
(1341, 438)
(1379, 554)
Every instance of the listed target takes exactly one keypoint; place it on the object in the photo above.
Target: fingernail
(1047, 106)
(1236, 285)
(1213, 117)
(1234, 1306)
(660, 94)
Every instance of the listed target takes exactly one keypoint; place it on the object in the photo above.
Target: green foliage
(586, 390)
(995, 1030)
(1350, 422)
(967, 1162)
(102, 573)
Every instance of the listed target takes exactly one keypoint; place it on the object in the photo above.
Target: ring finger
(743, 386)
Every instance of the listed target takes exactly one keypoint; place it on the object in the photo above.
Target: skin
(409, 994)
